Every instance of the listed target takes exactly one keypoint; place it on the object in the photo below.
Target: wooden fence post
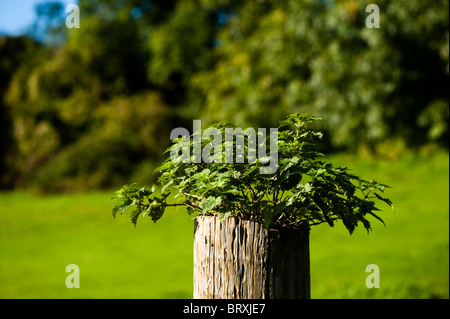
(240, 259)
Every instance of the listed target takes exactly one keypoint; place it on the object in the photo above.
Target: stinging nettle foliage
(304, 191)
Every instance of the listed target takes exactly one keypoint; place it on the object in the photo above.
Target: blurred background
(85, 110)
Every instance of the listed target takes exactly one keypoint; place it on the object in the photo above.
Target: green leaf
(165, 186)
(269, 213)
(324, 209)
(209, 203)
(156, 212)
(165, 165)
(134, 216)
(115, 210)
(377, 217)
(386, 200)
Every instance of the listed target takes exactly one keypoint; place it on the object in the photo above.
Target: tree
(219, 60)
(49, 27)
(13, 51)
(370, 85)
(86, 97)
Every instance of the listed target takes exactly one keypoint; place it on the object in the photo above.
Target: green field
(41, 235)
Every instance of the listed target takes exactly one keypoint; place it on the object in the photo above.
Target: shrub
(305, 190)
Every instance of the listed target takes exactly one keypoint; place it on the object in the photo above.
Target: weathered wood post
(241, 259)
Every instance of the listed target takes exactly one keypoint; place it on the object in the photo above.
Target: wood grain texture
(240, 259)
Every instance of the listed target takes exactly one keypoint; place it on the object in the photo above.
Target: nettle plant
(304, 190)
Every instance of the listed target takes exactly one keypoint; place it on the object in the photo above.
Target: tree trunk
(240, 259)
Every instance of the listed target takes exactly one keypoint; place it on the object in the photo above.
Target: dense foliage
(93, 107)
(302, 192)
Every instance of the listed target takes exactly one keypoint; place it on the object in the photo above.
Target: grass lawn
(412, 251)
(40, 236)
